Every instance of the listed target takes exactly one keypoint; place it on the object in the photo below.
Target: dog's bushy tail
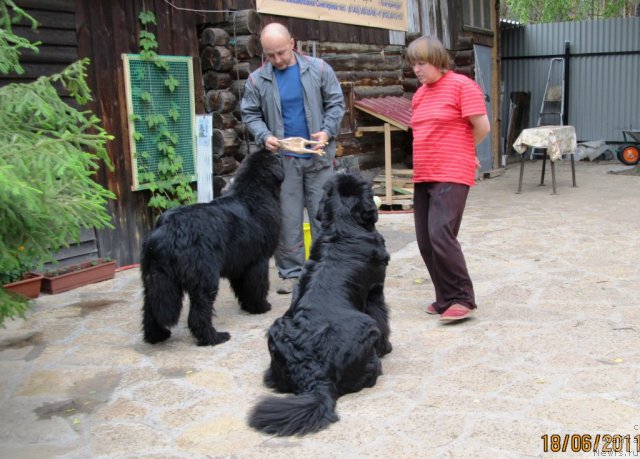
(296, 414)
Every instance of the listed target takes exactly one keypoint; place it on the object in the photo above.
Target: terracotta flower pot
(29, 286)
(76, 276)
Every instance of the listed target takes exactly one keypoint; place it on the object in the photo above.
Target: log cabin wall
(105, 30)
(366, 63)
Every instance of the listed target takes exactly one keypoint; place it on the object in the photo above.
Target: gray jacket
(323, 103)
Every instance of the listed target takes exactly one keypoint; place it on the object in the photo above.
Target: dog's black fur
(192, 247)
(330, 340)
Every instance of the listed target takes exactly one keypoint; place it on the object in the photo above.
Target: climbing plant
(160, 166)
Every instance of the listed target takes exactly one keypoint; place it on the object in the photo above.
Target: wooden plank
(50, 55)
(387, 162)
(49, 36)
(47, 5)
(402, 172)
(51, 19)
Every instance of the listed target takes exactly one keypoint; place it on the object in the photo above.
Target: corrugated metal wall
(604, 72)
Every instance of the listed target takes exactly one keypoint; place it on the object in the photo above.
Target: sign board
(385, 14)
(204, 168)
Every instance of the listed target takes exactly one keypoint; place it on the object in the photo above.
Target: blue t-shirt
(292, 104)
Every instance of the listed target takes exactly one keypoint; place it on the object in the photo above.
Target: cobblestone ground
(553, 349)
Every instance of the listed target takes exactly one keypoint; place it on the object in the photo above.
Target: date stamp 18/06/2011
(591, 443)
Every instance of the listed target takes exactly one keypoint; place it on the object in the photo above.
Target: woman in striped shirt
(449, 119)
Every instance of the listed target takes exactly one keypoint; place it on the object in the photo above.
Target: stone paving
(553, 349)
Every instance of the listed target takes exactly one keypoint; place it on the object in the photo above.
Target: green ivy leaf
(174, 114)
(171, 83)
(137, 136)
(147, 17)
(146, 96)
(161, 64)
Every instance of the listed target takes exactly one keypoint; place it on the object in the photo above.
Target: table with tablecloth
(555, 140)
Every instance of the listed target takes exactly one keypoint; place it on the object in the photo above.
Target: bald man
(293, 95)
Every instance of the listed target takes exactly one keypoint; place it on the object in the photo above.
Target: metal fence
(603, 65)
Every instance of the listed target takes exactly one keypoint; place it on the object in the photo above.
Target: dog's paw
(217, 338)
(157, 336)
(261, 309)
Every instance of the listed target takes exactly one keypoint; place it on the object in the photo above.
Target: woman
(449, 119)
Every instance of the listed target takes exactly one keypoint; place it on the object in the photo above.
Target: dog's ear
(326, 213)
(365, 212)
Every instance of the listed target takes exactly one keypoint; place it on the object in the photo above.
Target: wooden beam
(387, 164)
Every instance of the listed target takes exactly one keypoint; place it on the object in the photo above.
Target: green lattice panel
(145, 77)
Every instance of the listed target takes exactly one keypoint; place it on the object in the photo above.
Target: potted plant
(22, 280)
(65, 278)
(49, 154)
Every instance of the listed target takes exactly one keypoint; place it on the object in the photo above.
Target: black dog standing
(191, 247)
(330, 341)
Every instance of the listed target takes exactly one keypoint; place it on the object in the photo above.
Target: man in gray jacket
(293, 95)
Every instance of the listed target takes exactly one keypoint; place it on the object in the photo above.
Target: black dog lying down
(191, 247)
(329, 341)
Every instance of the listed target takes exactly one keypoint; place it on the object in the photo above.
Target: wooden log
(465, 43)
(243, 22)
(224, 142)
(237, 88)
(244, 132)
(244, 149)
(467, 70)
(324, 48)
(245, 47)
(223, 120)
(213, 36)
(216, 58)
(363, 92)
(222, 101)
(224, 164)
(370, 78)
(410, 84)
(364, 62)
(407, 71)
(215, 80)
(464, 57)
(242, 70)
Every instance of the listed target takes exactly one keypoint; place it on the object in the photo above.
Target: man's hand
(272, 144)
(322, 137)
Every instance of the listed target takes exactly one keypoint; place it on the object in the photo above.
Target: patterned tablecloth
(558, 140)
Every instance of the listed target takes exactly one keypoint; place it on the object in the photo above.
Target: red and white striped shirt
(443, 146)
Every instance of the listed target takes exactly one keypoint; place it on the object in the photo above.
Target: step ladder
(552, 106)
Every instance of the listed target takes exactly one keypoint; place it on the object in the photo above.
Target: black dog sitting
(191, 247)
(329, 341)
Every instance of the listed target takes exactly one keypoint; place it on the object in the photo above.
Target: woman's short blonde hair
(430, 50)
